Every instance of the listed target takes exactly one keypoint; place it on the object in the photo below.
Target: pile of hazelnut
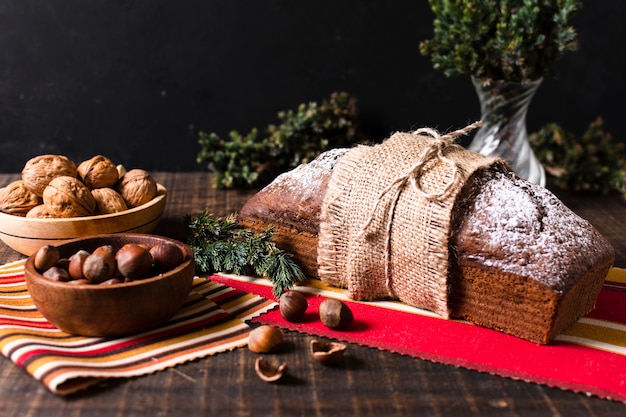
(105, 265)
(333, 313)
(52, 186)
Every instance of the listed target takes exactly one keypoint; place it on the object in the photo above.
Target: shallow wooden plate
(27, 235)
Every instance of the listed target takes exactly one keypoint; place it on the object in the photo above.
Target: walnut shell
(17, 199)
(40, 170)
(121, 170)
(98, 172)
(68, 197)
(137, 187)
(108, 201)
(40, 212)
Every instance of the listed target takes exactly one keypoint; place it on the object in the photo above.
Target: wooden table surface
(370, 382)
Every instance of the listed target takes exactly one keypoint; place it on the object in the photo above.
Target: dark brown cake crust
(292, 205)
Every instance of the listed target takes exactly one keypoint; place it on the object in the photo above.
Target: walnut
(68, 197)
(137, 187)
(40, 170)
(16, 199)
(40, 212)
(108, 201)
(98, 172)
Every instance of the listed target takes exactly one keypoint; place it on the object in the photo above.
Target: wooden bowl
(27, 235)
(115, 309)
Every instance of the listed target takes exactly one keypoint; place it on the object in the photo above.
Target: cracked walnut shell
(137, 187)
(40, 170)
(98, 172)
(17, 199)
(68, 197)
(108, 201)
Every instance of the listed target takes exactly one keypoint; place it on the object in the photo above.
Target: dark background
(137, 80)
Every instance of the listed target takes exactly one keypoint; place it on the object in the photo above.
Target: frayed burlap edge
(385, 219)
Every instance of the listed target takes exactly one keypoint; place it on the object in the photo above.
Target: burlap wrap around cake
(385, 219)
(423, 220)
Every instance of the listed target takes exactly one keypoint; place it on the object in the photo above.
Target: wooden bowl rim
(161, 194)
(33, 274)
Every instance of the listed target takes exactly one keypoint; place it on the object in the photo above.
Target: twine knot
(433, 152)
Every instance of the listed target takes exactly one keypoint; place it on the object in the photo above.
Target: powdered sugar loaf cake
(516, 259)
(527, 265)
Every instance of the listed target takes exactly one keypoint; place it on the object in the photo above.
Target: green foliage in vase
(249, 160)
(508, 40)
(592, 162)
(221, 244)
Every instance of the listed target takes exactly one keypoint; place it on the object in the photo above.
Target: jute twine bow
(434, 151)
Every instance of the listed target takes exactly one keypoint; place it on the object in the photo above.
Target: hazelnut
(63, 263)
(78, 281)
(112, 281)
(57, 274)
(265, 339)
(327, 353)
(68, 197)
(46, 257)
(40, 170)
(166, 256)
(133, 261)
(334, 313)
(292, 305)
(108, 249)
(17, 199)
(100, 265)
(269, 372)
(75, 268)
(98, 172)
(137, 187)
(108, 201)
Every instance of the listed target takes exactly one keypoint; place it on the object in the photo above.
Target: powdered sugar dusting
(309, 176)
(296, 196)
(522, 228)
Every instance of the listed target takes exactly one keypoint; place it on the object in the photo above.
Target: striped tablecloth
(212, 320)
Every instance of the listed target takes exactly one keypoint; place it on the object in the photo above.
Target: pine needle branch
(221, 244)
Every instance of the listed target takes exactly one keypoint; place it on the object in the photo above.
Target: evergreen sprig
(590, 162)
(221, 244)
(252, 159)
(509, 40)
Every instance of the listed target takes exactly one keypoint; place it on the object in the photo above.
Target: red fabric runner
(590, 357)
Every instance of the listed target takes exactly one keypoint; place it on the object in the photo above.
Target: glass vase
(503, 134)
